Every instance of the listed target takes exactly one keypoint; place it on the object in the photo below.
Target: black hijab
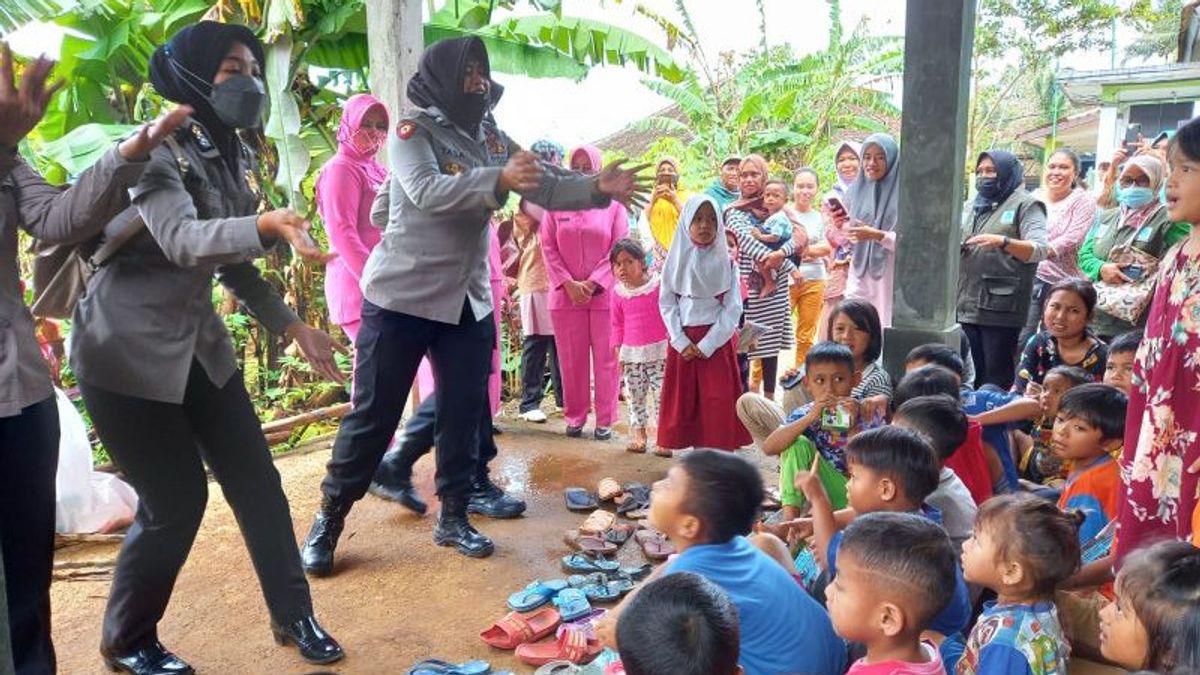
(182, 71)
(1009, 177)
(439, 82)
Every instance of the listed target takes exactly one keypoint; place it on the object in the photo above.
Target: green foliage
(1158, 24)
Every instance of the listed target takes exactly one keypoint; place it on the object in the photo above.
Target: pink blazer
(575, 245)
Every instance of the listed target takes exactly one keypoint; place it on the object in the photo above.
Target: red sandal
(516, 629)
(572, 645)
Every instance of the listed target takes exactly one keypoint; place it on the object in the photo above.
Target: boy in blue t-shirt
(679, 624)
(706, 506)
(891, 469)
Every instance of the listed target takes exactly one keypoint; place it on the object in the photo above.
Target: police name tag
(1008, 217)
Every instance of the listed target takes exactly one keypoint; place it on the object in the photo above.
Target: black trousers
(162, 449)
(534, 351)
(994, 351)
(28, 463)
(388, 350)
(419, 435)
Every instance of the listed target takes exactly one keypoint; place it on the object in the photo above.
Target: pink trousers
(585, 353)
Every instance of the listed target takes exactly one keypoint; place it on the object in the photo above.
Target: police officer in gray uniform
(157, 367)
(426, 287)
(28, 412)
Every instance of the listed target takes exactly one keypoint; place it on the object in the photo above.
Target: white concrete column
(1109, 131)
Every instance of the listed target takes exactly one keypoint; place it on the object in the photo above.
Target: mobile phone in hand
(1134, 272)
(836, 205)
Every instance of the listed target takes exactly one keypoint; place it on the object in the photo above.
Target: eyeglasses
(1140, 181)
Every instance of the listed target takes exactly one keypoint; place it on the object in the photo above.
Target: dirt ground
(396, 598)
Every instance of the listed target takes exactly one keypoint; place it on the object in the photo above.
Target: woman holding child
(769, 309)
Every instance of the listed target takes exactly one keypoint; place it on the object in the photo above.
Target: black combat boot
(453, 529)
(487, 499)
(319, 545)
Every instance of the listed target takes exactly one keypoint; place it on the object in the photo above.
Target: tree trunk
(395, 37)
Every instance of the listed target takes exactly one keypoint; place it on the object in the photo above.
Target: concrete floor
(396, 598)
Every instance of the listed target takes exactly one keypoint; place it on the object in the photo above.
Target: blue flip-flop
(439, 667)
(601, 592)
(572, 604)
(578, 562)
(535, 595)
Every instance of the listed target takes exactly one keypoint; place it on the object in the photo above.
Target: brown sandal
(588, 543)
(608, 489)
(598, 522)
(636, 447)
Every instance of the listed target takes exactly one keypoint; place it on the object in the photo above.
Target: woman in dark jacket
(156, 365)
(1003, 241)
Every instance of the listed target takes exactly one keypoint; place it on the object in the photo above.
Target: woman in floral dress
(1160, 466)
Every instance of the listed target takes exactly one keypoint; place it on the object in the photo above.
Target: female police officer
(426, 286)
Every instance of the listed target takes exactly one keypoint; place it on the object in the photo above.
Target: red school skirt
(699, 399)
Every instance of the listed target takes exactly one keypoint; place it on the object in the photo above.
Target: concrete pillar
(1107, 133)
(933, 132)
(395, 39)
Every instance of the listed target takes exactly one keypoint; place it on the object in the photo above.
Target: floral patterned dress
(1163, 424)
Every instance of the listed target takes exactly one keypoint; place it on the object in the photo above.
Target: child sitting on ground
(1089, 427)
(1154, 622)
(1118, 371)
(976, 466)
(706, 506)
(895, 572)
(944, 425)
(680, 624)
(1022, 548)
(639, 336)
(774, 232)
(1040, 465)
(821, 428)
(891, 469)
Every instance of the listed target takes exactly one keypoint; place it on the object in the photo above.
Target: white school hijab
(697, 272)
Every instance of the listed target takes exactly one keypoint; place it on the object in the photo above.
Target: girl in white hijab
(701, 306)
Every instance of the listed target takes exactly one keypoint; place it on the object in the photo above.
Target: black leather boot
(315, 645)
(487, 499)
(453, 529)
(317, 552)
(402, 493)
(153, 659)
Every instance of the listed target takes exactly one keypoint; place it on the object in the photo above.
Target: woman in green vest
(1003, 240)
(1139, 221)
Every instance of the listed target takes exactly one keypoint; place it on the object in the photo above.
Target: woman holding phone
(848, 163)
(662, 213)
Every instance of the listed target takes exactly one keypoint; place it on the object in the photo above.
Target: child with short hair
(977, 467)
(821, 428)
(1023, 547)
(1122, 351)
(896, 572)
(639, 335)
(679, 624)
(1040, 465)
(943, 423)
(891, 469)
(775, 231)
(1154, 621)
(706, 505)
(701, 307)
(1089, 426)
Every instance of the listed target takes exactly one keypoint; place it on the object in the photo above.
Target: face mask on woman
(1134, 197)
(368, 141)
(987, 186)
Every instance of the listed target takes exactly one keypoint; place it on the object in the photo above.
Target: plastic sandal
(572, 646)
(578, 562)
(601, 592)
(619, 533)
(585, 623)
(598, 522)
(635, 497)
(516, 629)
(579, 499)
(588, 543)
(439, 667)
(608, 489)
(535, 594)
(557, 668)
(581, 580)
(637, 514)
(654, 544)
(572, 604)
(637, 573)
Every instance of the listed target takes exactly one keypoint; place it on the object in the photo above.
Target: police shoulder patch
(406, 129)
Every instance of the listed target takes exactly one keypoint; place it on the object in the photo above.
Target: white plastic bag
(88, 501)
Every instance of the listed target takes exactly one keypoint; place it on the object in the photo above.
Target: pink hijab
(355, 110)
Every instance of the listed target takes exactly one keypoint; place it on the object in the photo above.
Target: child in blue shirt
(774, 232)
(1022, 549)
(679, 624)
(891, 469)
(706, 506)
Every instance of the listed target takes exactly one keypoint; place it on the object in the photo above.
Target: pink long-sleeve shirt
(575, 245)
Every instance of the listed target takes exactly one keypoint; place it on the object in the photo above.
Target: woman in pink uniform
(575, 245)
(345, 190)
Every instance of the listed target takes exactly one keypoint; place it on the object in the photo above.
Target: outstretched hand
(293, 228)
(138, 146)
(21, 108)
(318, 347)
(625, 185)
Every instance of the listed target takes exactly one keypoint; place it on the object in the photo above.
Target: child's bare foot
(638, 444)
